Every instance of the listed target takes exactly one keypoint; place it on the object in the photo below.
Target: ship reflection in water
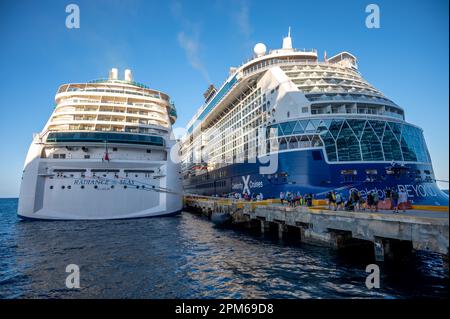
(187, 257)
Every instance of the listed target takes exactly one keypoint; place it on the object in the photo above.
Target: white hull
(72, 195)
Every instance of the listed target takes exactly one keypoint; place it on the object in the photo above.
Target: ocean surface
(187, 257)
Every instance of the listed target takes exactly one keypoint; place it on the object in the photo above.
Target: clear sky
(179, 47)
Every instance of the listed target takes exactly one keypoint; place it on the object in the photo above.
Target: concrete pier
(391, 234)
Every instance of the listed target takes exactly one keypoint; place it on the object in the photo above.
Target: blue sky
(181, 46)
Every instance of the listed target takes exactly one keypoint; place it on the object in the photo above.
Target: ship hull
(307, 172)
(76, 193)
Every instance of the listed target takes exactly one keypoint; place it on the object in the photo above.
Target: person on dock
(361, 203)
(376, 199)
(282, 198)
(339, 201)
(309, 200)
(333, 200)
(370, 201)
(394, 200)
(402, 199)
(329, 199)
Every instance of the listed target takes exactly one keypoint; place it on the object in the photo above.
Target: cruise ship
(286, 120)
(103, 154)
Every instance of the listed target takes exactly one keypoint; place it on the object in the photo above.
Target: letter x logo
(246, 188)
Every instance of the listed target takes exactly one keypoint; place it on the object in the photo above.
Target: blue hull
(306, 171)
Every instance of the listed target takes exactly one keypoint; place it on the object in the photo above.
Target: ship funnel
(287, 41)
(128, 75)
(113, 74)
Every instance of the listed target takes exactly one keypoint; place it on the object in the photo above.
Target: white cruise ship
(104, 154)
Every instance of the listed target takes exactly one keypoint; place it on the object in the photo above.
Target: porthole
(112, 186)
(63, 187)
(125, 186)
(82, 186)
(69, 187)
(142, 186)
(137, 187)
(51, 187)
(95, 186)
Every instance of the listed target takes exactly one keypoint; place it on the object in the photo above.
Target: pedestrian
(333, 199)
(375, 200)
(402, 199)
(282, 198)
(394, 200)
(362, 202)
(329, 199)
(370, 201)
(338, 201)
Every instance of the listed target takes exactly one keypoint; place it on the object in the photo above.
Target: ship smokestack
(128, 75)
(113, 74)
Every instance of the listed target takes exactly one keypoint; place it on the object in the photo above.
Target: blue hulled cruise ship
(285, 121)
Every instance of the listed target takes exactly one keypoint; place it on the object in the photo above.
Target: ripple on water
(186, 257)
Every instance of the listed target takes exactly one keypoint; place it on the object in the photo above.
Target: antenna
(287, 41)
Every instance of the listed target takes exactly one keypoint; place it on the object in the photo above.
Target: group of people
(357, 202)
(294, 199)
(336, 200)
(246, 196)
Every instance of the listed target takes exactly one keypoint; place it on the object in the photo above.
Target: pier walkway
(390, 234)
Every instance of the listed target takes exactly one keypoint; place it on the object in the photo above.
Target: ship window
(370, 145)
(349, 172)
(95, 186)
(114, 149)
(69, 187)
(427, 172)
(82, 186)
(149, 151)
(87, 156)
(347, 145)
(112, 186)
(391, 147)
(62, 155)
(55, 155)
(51, 187)
(63, 187)
(125, 186)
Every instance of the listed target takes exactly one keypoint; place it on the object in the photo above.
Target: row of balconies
(110, 112)
(111, 121)
(146, 106)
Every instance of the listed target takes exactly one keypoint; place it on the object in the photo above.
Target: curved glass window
(391, 147)
(330, 146)
(357, 139)
(357, 126)
(347, 145)
(370, 145)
